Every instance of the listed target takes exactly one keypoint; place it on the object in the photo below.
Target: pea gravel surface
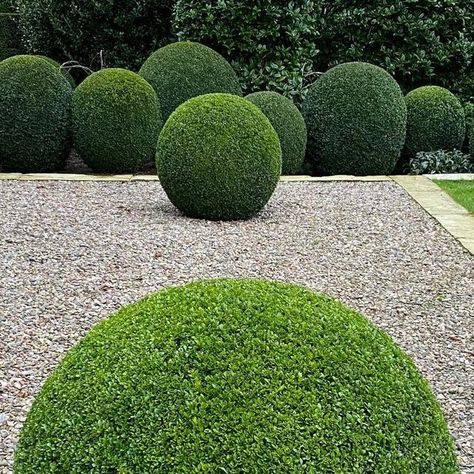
(72, 253)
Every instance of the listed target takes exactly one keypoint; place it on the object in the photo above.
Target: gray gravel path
(71, 253)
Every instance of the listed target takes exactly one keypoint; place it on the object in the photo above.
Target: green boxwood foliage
(236, 376)
(64, 72)
(180, 71)
(9, 34)
(126, 31)
(35, 115)
(117, 120)
(219, 158)
(288, 123)
(356, 119)
(436, 120)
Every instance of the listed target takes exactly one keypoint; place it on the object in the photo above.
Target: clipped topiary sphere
(288, 123)
(35, 112)
(180, 71)
(67, 75)
(219, 158)
(436, 120)
(117, 121)
(236, 376)
(356, 119)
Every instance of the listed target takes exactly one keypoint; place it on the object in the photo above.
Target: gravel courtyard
(71, 253)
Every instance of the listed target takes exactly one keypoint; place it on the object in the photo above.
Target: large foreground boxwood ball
(35, 115)
(288, 123)
(356, 119)
(219, 158)
(117, 120)
(180, 71)
(236, 376)
(436, 120)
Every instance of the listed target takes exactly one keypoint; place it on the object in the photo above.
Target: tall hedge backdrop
(272, 44)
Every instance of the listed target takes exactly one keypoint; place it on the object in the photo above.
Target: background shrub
(184, 70)
(254, 376)
(117, 121)
(441, 161)
(356, 119)
(219, 158)
(436, 120)
(9, 35)
(127, 31)
(288, 123)
(34, 115)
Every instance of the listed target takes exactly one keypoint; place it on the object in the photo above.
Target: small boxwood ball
(219, 158)
(288, 123)
(180, 71)
(436, 120)
(356, 119)
(117, 120)
(237, 376)
(35, 115)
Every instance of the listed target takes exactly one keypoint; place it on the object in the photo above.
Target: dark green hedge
(219, 158)
(10, 44)
(237, 376)
(436, 120)
(117, 121)
(34, 115)
(288, 123)
(356, 119)
(184, 70)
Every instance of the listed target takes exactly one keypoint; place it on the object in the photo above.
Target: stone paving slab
(452, 177)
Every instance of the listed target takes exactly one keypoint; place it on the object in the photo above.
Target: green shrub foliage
(180, 71)
(219, 158)
(117, 121)
(281, 45)
(241, 376)
(9, 35)
(288, 123)
(34, 115)
(436, 120)
(356, 119)
(126, 31)
(64, 72)
(441, 161)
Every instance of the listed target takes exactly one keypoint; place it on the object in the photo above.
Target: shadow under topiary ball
(117, 120)
(181, 71)
(219, 158)
(35, 115)
(356, 119)
(288, 123)
(236, 376)
(436, 120)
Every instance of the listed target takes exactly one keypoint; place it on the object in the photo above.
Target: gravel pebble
(72, 253)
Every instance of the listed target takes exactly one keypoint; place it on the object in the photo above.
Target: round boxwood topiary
(241, 376)
(35, 115)
(288, 123)
(436, 120)
(356, 119)
(117, 120)
(219, 158)
(180, 71)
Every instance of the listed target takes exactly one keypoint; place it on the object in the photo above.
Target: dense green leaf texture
(219, 158)
(64, 72)
(117, 120)
(436, 120)
(184, 70)
(35, 115)
(288, 123)
(356, 118)
(237, 376)
(9, 34)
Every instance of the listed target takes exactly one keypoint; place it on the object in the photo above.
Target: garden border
(452, 216)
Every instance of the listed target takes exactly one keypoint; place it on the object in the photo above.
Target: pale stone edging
(451, 177)
(451, 215)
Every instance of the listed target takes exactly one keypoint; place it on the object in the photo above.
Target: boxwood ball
(35, 115)
(236, 376)
(356, 118)
(117, 120)
(288, 123)
(436, 120)
(219, 158)
(180, 71)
